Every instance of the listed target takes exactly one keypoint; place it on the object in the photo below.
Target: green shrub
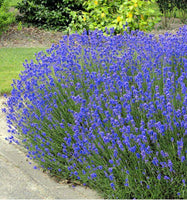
(54, 14)
(1, 2)
(101, 13)
(170, 7)
(181, 5)
(6, 18)
(138, 14)
(166, 5)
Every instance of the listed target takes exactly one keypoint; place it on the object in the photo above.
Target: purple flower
(93, 175)
(166, 177)
(182, 158)
(111, 177)
(104, 105)
(112, 185)
(155, 161)
(159, 177)
(110, 170)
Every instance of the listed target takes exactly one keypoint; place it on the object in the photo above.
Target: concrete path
(18, 179)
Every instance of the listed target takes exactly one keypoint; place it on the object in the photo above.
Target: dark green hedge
(52, 14)
(169, 5)
(1, 2)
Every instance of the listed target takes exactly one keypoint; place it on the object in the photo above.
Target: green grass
(11, 63)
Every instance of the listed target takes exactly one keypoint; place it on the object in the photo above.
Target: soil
(35, 37)
(29, 37)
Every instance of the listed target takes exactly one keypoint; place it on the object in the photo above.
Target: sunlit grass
(11, 64)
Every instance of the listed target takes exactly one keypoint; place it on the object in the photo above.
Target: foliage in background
(1, 2)
(100, 14)
(14, 3)
(138, 14)
(109, 112)
(166, 5)
(170, 7)
(6, 17)
(51, 14)
(181, 5)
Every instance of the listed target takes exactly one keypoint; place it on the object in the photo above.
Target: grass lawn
(11, 63)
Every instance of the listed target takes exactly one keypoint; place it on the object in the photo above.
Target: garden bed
(105, 112)
(35, 37)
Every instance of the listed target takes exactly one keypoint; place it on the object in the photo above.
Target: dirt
(173, 26)
(34, 37)
(29, 37)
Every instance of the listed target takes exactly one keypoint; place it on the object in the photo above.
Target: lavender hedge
(109, 111)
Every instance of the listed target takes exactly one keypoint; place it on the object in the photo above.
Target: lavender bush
(109, 111)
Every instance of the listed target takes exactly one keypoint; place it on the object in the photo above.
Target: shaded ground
(35, 37)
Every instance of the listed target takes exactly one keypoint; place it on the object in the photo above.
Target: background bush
(181, 4)
(79, 15)
(171, 7)
(101, 14)
(109, 112)
(166, 5)
(53, 14)
(1, 1)
(6, 17)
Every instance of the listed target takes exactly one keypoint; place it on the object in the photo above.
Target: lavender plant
(109, 111)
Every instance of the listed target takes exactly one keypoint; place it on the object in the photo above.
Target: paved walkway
(18, 179)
